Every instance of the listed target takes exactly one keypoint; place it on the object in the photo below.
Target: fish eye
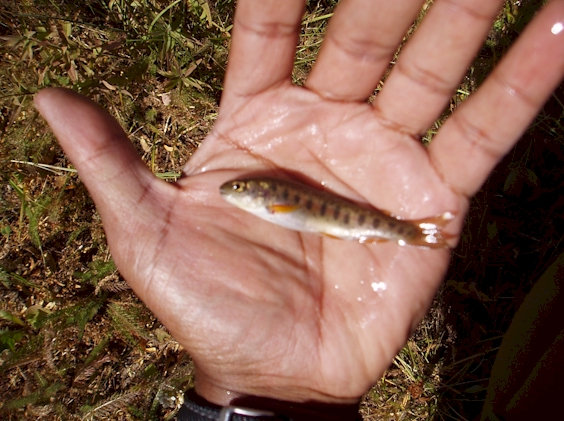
(238, 186)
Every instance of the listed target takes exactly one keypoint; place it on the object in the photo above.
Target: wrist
(284, 410)
(226, 389)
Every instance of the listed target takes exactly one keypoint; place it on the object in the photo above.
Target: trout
(299, 207)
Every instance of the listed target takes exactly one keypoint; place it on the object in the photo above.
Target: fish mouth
(225, 188)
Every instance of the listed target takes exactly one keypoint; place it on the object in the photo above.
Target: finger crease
(477, 138)
(363, 50)
(513, 90)
(471, 11)
(270, 30)
(395, 126)
(92, 160)
(428, 79)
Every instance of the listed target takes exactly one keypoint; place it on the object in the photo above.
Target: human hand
(275, 313)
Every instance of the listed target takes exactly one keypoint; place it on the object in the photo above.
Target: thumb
(106, 161)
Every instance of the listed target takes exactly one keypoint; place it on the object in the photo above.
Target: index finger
(265, 35)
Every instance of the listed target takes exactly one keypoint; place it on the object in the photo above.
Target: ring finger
(433, 62)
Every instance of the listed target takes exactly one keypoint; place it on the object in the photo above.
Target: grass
(75, 342)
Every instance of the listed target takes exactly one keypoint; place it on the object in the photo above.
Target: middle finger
(361, 39)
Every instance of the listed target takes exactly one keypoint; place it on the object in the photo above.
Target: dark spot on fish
(346, 219)
(297, 199)
(375, 222)
(273, 187)
(285, 194)
(410, 232)
(309, 204)
(400, 230)
(392, 224)
(361, 219)
(323, 209)
(336, 213)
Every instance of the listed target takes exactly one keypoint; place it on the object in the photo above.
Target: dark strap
(196, 408)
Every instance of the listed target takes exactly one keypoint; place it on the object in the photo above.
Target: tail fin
(430, 233)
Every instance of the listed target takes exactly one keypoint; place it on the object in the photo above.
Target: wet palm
(315, 309)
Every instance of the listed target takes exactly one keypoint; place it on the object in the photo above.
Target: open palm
(272, 312)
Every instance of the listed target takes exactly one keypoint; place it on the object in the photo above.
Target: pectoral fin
(282, 208)
(330, 236)
(374, 240)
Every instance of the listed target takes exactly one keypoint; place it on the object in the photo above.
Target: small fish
(303, 208)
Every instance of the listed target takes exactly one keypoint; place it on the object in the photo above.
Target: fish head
(246, 194)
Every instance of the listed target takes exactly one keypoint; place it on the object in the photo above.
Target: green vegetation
(75, 342)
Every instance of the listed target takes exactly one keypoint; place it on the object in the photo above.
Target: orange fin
(330, 236)
(434, 240)
(282, 208)
(374, 240)
(430, 233)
